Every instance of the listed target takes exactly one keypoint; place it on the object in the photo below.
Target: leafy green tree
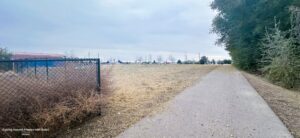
(227, 61)
(241, 24)
(213, 62)
(189, 62)
(179, 61)
(220, 62)
(204, 60)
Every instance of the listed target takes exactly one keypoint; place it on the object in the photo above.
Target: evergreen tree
(204, 60)
(241, 24)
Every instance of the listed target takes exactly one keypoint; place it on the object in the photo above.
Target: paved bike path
(223, 104)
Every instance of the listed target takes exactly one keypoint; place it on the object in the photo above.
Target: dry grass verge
(285, 103)
(139, 90)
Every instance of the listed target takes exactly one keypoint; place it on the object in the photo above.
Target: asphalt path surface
(222, 105)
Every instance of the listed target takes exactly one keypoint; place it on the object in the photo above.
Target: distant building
(17, 56)
(37, 56)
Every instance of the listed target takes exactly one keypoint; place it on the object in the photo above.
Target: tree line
(172, 60)
(261, 36)
(205, 60)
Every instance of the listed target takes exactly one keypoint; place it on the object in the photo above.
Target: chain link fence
(47, 93)
(24, 78)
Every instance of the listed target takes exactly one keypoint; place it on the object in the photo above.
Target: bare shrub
(54, 107)
(281, 54)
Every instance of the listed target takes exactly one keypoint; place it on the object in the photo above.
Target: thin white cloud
(171, 26)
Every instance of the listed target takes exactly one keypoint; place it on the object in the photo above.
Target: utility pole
(150, 58)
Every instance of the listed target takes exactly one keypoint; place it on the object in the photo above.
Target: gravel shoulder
(285, 103)
(222, 104)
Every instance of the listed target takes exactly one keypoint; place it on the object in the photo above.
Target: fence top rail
(44, 60)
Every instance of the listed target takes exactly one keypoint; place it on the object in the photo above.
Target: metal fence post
(35, 69)
(47, 69)
(98, 75)
(17, 68)
(65, 67)
(27, 68)
(13, 66)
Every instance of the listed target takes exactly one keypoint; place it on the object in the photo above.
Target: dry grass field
(139, 91)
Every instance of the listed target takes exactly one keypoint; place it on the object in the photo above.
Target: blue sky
(121, 29)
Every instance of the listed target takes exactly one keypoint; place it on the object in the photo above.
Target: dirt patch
(285, 103)
(139, 91)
